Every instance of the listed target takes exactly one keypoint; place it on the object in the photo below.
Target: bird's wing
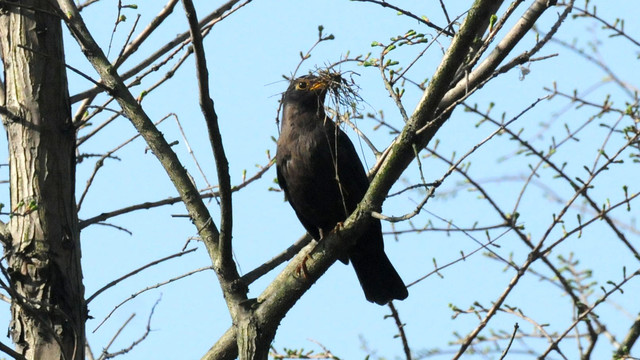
(281, 172)
(351, 173)
(281, 179)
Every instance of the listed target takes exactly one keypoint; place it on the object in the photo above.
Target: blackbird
(323, 180)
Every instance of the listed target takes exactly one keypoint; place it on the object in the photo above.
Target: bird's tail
(378, 278)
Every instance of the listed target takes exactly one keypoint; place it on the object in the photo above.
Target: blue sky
(247, 55)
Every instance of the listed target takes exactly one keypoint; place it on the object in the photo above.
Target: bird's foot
(338, 228)
(301, 269)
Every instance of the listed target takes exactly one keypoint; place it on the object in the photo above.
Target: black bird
(323, 180)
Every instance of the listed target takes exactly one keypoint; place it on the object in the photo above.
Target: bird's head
(310, 90)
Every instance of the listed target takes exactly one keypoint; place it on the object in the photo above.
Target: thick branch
(499, 53)
(402, 152)
(211, 118)
(154, 138)
(629, 340)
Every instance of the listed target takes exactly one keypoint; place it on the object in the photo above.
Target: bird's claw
(301, 270)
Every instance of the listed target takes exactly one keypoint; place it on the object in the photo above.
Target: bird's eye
(301, 85)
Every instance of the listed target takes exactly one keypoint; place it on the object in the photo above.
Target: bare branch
(400, 326)
(629, 340)
(206, 22)
(144, 35)
(587, 312)
(106, 355)
(100, 163)
(9, 351)
(211, 118)
(141, 121)
(115, 336)
(423, 19)
(506, 350)
(502, 50)
(286, 255)
(620, 32)
(464, 256)
(134, 295)
(130, 274)
(204, 194)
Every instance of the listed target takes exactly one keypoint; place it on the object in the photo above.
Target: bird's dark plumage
(324, 180)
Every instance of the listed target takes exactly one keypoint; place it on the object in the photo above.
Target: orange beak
(320, 85)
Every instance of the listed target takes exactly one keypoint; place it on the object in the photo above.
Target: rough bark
(43, 248)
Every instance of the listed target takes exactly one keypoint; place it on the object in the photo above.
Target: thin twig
(223, 11)
(134, 295)
(462, 258)
(586, 312)
(105, 351)
(400, 326)
(286, 255)
(106, 355)
(9, 351)
(423, 20)
(513, 336)
(100, 163)
(169, 201)
(130, 274)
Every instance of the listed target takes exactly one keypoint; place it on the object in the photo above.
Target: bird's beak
(320, 85)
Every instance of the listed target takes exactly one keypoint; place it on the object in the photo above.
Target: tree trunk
(42, 239)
